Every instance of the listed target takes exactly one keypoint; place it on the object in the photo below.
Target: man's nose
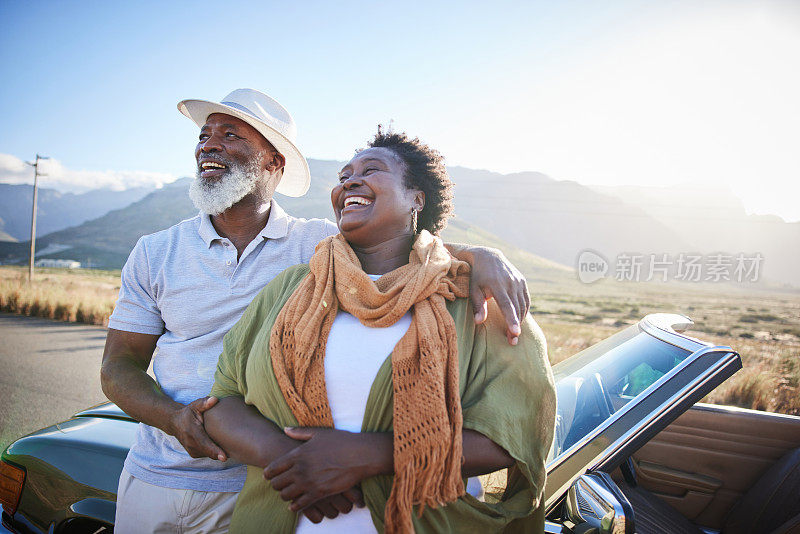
(211, 144)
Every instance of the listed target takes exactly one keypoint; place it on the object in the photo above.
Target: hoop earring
(414, 221)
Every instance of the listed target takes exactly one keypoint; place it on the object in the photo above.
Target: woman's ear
(419, 200)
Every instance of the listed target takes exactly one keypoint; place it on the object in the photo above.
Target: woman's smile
(356, 201)
(372, 201)
(356, 207)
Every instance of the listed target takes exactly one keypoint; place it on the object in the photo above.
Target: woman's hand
(331, 507)
(328, 463)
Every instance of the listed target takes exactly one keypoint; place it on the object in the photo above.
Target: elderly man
(183, 288)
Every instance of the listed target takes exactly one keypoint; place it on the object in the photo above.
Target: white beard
(214, 197)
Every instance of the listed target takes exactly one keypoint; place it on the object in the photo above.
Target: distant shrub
(756, 317)
(63, 312)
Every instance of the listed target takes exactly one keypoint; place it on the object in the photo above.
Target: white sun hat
(271, 120)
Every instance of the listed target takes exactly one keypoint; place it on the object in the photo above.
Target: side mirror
(595, 505)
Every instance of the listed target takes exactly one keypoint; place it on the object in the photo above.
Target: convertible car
(633, 451)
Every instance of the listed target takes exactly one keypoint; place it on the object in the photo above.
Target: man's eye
(343, 177)
(370, 170)
(203, 136)
(230, 134)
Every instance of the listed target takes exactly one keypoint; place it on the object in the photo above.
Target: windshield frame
(648, 412)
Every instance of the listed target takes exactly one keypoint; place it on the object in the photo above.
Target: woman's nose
(352, 181)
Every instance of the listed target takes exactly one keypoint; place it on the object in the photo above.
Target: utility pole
(36, 175)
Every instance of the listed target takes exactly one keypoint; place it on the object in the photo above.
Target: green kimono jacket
(507, 394)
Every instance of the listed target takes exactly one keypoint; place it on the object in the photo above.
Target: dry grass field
(83, 296)
(762, 325)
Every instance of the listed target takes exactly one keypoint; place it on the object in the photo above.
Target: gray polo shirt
(186, 285)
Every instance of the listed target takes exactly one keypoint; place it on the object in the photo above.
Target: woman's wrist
(275, 446)
(376, 452)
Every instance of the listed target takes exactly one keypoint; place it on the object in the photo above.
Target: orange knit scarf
(427, 406)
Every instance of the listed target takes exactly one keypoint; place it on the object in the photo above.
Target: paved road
(48, 371)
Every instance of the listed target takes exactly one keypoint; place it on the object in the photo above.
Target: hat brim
(296, 177)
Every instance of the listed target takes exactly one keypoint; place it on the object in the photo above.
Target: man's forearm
(137, 394)
(245, 434)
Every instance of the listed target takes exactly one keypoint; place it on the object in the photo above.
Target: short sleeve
(136, 309)
(512, 397)
(251, 334)
(229, 377)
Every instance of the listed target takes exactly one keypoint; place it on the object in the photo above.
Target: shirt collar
(277, 225)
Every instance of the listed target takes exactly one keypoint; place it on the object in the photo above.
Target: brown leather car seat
(770, 506)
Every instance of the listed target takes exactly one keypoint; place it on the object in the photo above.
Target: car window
(640, 378)
(600, 380)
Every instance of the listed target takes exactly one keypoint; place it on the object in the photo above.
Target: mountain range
(56, 210)
(539, 221)
(715, 220)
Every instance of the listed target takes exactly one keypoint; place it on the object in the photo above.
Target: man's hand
(186, 424)
(493, 276)
(330, 462)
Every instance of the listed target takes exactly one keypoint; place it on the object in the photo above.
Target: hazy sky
(625, 92)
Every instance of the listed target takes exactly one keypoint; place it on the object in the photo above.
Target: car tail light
(11, 480)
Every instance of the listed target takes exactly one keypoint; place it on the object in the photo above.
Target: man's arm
(330, 460)
(125, 381)
(493, 276)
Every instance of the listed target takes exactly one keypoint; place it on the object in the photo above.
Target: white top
(354, 354)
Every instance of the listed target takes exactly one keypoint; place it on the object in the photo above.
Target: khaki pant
(144, 508)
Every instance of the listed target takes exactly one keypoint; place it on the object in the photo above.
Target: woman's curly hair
(426, 172)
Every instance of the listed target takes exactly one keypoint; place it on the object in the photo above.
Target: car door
(704, 461)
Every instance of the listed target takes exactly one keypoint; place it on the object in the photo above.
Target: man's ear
(277, 162)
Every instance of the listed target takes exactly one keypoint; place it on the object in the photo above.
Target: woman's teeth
(349, 201)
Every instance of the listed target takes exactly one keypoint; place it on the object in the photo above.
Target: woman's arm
(252, 439)
(331, 459)
(482, 455)
(246, 435)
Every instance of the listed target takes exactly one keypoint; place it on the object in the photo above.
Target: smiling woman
(371, 202)
(425, 401)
